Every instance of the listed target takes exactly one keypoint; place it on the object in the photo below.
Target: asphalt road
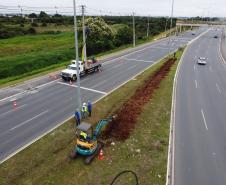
(46, 102)
(200, 119)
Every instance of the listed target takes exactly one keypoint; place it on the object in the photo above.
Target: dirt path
(121, 127)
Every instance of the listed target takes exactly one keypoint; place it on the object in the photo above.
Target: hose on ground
(123, 172)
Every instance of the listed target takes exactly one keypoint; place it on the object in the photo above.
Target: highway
(200, 115)
(44, 103)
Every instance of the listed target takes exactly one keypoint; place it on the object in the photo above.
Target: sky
(182, 8)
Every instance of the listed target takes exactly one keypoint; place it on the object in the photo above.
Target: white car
(202, 61)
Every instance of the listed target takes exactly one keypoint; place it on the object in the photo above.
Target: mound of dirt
(121, 127)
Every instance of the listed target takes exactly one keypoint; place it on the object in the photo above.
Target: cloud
(141, 7)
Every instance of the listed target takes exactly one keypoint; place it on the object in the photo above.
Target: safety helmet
(84, 104)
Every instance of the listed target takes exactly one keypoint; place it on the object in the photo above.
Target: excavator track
(89, 159)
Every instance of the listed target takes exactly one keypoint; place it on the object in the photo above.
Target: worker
(89, 107)
(83, 135)
(84, 110)
(77, 117)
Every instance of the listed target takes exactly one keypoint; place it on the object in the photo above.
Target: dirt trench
(121, 127)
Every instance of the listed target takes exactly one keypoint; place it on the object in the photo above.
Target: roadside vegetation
(39, 42)
(144, 151)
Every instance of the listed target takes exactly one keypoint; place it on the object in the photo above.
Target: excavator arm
(100, 125)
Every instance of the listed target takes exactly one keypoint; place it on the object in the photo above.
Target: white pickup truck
(86, 67)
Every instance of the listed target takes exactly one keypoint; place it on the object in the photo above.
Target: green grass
(46, 161)
(23, 57)
(23, 45)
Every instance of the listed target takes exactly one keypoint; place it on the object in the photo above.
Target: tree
(43, 15)
(100, 37)
(124, 35)
(32, 15)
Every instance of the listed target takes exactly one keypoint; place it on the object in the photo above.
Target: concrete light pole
(84, 33)
(148, 28)
(77, 57)
(171, 24)
(134, 32)
(166, 25)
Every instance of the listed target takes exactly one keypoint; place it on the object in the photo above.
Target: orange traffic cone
(101, 155)
(14, 104)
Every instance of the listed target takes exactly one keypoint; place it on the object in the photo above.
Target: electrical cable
(123, 172)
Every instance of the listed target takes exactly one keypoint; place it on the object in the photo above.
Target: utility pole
(134, 32)
(171, 19)
(148, 28)
(77, 57)
(166, 25)
(56, 9)
(171, 23)
(21, 10)
(84, 32)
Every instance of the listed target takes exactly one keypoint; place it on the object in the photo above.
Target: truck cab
(86, 67)
(71, 72)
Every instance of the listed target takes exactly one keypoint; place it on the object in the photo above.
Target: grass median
(46, 162)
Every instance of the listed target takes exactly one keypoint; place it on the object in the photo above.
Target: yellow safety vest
(83, 134)
(85, 109)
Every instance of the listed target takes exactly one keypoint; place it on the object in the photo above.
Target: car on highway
(215, 37)
(202, 61)
(193, 33)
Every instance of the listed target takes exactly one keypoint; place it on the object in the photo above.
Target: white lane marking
(131, 67)
(117, 65)
(25, 122)
(159, 48)
(210, 68)
(99, 84)
(196, 84)
(88, 89)
(136, 51)
(13, 96)
(204, 119)
(17, 108)
(218, 88)
(194, 67)
(43, 85)
(25, 91)
(137, 60)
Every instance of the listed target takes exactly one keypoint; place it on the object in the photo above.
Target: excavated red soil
(121, 127)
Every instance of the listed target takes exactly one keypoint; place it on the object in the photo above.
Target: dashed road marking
(8, 112)
(204, 119)
(139, 60)
(218, 88)
(25, 122)
(196, 84)
(99, 84)
(210, 68)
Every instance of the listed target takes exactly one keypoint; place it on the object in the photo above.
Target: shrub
(31, 30)
(34, 24)
(44, 24)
